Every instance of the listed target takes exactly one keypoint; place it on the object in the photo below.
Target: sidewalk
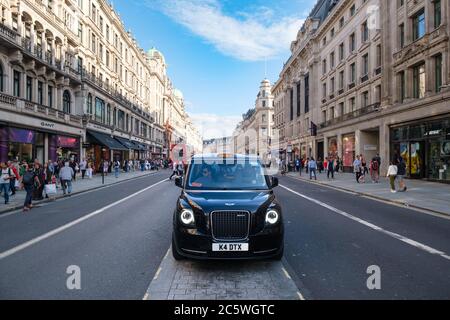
(425, 195)
(16, 202)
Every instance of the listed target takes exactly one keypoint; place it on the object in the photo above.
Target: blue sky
(216, 49)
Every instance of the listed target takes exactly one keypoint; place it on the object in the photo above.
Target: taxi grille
(230, 225)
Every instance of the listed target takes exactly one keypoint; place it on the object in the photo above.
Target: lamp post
(102, 166)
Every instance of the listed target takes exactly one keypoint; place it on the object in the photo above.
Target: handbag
(17, 184)
(50, 189)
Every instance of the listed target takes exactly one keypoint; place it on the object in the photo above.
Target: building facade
(253, 135)
(353, 86)
(75, 84)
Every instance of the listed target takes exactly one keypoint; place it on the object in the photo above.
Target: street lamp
(102, 165)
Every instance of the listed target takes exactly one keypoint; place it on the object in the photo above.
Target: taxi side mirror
(179, 182)
(274, 182)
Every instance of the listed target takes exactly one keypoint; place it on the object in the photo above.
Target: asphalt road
(118, 239)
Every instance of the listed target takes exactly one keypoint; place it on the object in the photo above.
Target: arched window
(66, 101)
(1, 78)
(89, 104)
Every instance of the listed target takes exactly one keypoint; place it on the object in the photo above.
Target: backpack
(28, 178)
(375, 165)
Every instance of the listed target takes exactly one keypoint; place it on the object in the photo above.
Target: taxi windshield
(227, 174)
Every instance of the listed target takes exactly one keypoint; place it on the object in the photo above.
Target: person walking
(39, 172)
(330, 169)
(5, 177)
(392, 174)
(66, 175)
(377, 158)
(89, 170)
(401, 173)
(307, 165)
(83, 167)
(297, 164)
(116, 168)
(15, 177)
(364, 165)
(174, 170)
(29, 182)
(374, 171)
(312, 168)
(357, 168)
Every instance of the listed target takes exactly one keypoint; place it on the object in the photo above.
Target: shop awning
(127, 143)
(106, 140)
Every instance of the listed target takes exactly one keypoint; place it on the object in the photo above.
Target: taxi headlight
(272, 217)
(187, 217)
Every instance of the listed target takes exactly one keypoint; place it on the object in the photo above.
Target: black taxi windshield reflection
(226, 174)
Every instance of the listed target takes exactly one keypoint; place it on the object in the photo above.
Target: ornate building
(367, 77)
(75, 84)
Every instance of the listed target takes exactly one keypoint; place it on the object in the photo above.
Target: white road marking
(300, 296)
(73, 223)
(372, 226)
(157, 273)
(286, 273)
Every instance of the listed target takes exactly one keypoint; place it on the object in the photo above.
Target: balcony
(15, 104)
(376, 107)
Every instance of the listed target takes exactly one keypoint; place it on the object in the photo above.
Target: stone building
(75, 84)
(368, 77)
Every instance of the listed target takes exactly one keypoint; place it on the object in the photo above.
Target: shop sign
(370, 147)
(47, 125)
(86, 145)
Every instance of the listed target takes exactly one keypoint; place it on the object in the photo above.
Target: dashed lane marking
(71, 224)
(397, 236)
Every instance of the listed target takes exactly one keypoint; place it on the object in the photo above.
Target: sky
(217, 51)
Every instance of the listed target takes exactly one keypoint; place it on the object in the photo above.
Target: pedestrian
(364, 165)
(29, 182)
(392, 174)
(312, 168)
(337, 164)
(74, 165)
(401, 173)
(66, 175)
(374, 170)
(174, 170)
(49, 182)
(330, 169)
(5, 177)
(357, 168)
(307, 165)
(39, 173)
(297, 164)
(117, 168)
(377, 158)
(89, 170)
(83, 167)
(14, 178)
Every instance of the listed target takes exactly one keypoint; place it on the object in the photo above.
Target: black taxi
(227, 210)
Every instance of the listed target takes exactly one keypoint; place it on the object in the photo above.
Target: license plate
(230, 247)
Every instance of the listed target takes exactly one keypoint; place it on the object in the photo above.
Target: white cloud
(214, 126)
(256, 36)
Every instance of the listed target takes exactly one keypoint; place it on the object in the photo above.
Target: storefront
(425, 147)
(21, 144)
(101, 146)
(332, 148)
(63, 147)
(348, 151)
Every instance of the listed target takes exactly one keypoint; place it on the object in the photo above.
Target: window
(341, 108)
(107, 58)
(341, 80)
(402, 35)
(353, 73)
(1, 78)
(298, 99)
(101, 25)
(352, 42)
(93, 43)
(352, 104)
(341, 22)
(40, 92)
(50, 96)
(89, 104)
(93, 13)
(332, 113)
(402, 80)
(332, 87)
(332, 33)
(365, 64)
(66, 101)
(364, 32)
(306, 93)
(438, 72)
(115, 117)
(99, 110)
(437, 13)
(29, 89)
(419, 25)
(419, 81)
(291, 104)
(365, 99)
(80, 64)
(80, 31)
(324, 66)
(324, 90)
(379, 57)
(332, 60)
(352, 10)
(341, 52)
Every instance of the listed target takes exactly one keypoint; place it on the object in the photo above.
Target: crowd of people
(42, 180)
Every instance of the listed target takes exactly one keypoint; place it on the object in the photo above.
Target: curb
(405, 204)
(74, 193)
